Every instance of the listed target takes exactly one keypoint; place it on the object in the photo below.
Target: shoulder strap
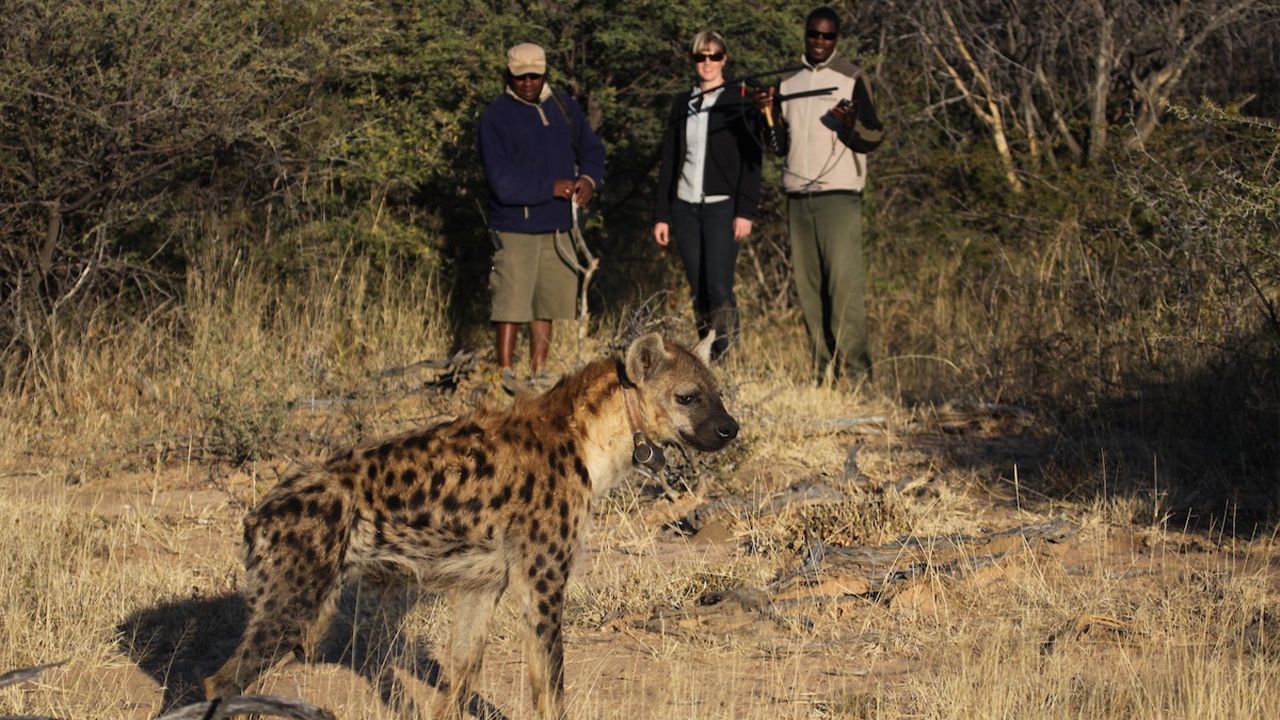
(569, 122)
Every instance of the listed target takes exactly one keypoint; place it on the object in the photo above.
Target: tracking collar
(644, 453)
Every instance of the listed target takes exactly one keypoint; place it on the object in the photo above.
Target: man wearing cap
(539, 155)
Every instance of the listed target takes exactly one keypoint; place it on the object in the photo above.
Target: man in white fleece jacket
(824, 139)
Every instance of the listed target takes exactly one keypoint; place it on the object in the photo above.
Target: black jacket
(733, 155)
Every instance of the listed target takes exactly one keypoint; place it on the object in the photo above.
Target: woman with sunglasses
(709, 188)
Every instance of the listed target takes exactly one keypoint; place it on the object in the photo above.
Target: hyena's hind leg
(373, 605)
(472, 611)
(294, 575)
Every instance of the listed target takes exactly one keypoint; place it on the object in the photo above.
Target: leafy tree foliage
(417, 107)
(119, 118)
(135, 134)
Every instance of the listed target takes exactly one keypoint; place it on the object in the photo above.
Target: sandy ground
(799, 579)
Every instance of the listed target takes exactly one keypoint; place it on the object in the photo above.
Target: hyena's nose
(727, 430)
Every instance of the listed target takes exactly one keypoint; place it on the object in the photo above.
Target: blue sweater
(525, 148)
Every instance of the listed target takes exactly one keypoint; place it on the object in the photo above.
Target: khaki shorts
(530, 280)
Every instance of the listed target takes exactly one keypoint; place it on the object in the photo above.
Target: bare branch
(987, 106)
(1152, 90)
(1060, 122)
(1099, 89)
(14, 677)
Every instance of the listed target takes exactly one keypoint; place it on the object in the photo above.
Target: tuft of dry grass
(218, 376)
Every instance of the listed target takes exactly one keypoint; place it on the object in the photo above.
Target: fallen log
(459, 364)
(831, 574)
(462, 358)
(868, 423)
(14, 677)
(267, 705)
(884, 565)
(812, 491)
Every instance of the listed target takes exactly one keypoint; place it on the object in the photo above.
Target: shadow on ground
(1203, 445)
(1197, 448)
(179, 643)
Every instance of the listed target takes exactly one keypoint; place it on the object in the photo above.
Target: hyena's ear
(645, 358)
(703, 349)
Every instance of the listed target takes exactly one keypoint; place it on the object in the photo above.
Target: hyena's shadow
(177, 643)
(180, 643)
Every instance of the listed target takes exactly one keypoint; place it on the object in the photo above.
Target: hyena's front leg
(543, 605)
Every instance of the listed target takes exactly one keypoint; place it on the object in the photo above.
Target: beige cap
(526, 58)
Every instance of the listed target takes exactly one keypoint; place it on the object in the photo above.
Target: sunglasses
(708, 57)
(819, 34)
(527, 76)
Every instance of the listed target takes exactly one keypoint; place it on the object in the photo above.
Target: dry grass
(216, 377)
(1102, 645)
(125, 472)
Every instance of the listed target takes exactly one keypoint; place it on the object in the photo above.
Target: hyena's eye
(687, 398)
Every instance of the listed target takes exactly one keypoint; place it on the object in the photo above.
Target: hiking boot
(725, 321)
(508, 382)
(541, 381)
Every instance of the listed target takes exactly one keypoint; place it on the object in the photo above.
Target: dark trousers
(703, 236)
(827, 259)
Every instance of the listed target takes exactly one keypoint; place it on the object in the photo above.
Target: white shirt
(692, 170)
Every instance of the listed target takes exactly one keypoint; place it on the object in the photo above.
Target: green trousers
(830, 276)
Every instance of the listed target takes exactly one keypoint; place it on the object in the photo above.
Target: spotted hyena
(472, 506)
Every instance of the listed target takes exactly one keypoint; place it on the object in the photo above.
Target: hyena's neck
(592, 400)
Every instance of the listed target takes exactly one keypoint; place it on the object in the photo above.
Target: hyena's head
(681, 398)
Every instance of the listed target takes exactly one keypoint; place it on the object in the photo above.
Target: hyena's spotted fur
(470, 506)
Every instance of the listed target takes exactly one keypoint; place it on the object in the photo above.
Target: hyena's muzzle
(713, 430)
